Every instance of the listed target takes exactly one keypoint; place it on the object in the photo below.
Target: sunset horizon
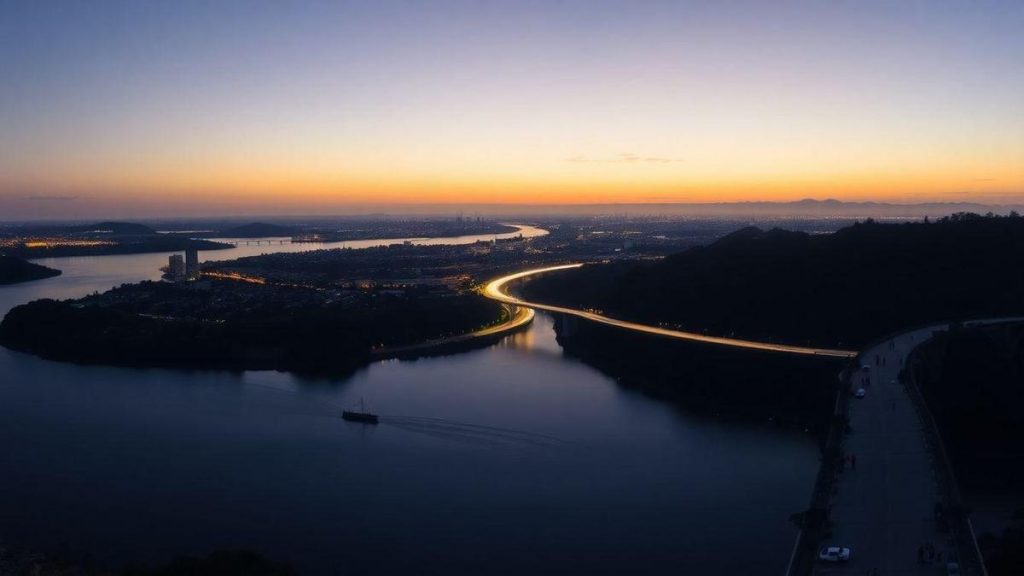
(256, 107)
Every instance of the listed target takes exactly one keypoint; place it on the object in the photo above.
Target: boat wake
(472, 433)
(439, 427)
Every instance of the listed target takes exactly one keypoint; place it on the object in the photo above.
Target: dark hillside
(973, 381)
(837, 290)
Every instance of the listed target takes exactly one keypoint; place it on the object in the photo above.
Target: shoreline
(520, 317)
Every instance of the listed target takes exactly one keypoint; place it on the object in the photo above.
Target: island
(237, 325)
(14, 270)
(324, 312)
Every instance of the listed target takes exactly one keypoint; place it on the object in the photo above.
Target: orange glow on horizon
(293, 189)
(515, 176)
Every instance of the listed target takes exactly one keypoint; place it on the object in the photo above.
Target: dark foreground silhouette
(973, 381)
(217, 563)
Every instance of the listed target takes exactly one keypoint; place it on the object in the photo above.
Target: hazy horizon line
(804, 208)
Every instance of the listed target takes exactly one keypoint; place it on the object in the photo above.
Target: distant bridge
(256, 241)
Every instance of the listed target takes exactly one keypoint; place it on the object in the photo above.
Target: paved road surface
(518, 317)
(494, 291)
(884, 509)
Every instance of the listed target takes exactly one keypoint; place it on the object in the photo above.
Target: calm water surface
(506, 460)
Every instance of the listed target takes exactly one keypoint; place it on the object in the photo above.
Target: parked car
(834, 554)
(860, 393)
(952, 569)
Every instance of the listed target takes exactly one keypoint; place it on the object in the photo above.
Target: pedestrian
(940, 556)
(853, 461)
(920, 554)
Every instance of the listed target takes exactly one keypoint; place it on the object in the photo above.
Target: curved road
(494, 291)
(518, 317)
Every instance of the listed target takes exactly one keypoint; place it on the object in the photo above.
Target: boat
(360, 415)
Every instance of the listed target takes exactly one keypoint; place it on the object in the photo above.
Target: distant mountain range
(807, 208)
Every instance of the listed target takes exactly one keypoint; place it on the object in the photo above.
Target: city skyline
(182, 109)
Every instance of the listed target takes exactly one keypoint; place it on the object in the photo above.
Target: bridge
(257, 241)
(495, 291)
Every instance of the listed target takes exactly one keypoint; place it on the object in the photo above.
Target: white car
(834, 554)
(860, 393)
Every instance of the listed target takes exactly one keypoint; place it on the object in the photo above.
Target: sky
(178, 108)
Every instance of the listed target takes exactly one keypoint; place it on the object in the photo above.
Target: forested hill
(14, 270)
(841, 289)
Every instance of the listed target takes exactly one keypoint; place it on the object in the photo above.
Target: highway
(882, 507)
(494, 291)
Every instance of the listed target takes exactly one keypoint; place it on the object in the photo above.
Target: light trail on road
(519, 316)
(494, 291)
